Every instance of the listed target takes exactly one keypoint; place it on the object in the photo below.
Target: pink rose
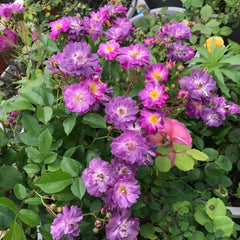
(173, 133)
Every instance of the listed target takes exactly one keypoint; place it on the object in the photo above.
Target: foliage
(46, 147)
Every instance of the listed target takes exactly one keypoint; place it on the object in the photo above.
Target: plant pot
(160, 3)
(171, 11)
(132, 11)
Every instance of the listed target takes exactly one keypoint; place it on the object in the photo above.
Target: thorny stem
(45, 205)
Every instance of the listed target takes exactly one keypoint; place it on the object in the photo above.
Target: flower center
(157, 75)
(154, 93)
(134, 53)
(57, 26)
(130, 145)
(78, 98)
(153, 119)
(109, 48)
(123, 171)
(100, 177)
(80, 59)
(121, 111)
(122, 190)
(93, 87)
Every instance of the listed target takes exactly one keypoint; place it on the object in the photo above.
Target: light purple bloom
(124, 193)
(67, 223)
(156, 73)
(233, 108)
(149, 41)
(120, 227)
(130, 147)
(98, 177)
(119, 34)
(53, 64)
(213, 117)
(153, 96)
(78, 98)
(7, 10)
(109, 49)
(194, 109)
(93, 28)
(78, 59)
(121, 111)
(57, 27)
(179, 31)
(151, 121)
(134, 56)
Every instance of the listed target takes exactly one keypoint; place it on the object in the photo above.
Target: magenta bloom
(7, 41)
(124, 193)
(179, 31)
(57, 27)
(94, 28)
(153, 96)
(121, 227)
(121, 111)
(98, 177)
(149, 41)
(156, 72)
(134, 56)
(67, 223)
(118, 33)
(78, 98)
(7, 10)
(78, 59)
(109, 49)
(130, 147)
(151, 121)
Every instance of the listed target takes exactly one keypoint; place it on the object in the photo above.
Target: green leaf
(225, 31)
(33, 201)
(47, 96)
(232, 152)
(33, 98)
(206, 12)
(15, 232)
(201, 217)
(45, 141)
(221, 82)
(181, 147)
(147, 230)
(17, 105)
(163, 164)
(215, 208)
(49, 157)
(44, 114)
(9, 156)
(198, 236)
(29, 217)
(184, 162)
(70, 166)
(212, 153)
(68, 125)
(6, 202)
(94, 120)
(224, 163)
(163, 150)
(225, 224)
(6, 217)
(198, 155)
(33, 154)
(30, 124)
(53, 182)
(20, 191)
(9, 176)
(28, 139)
(78, 188)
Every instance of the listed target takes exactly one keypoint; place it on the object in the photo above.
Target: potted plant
(103, 139)
(163, 3)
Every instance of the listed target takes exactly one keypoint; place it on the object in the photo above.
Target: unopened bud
(109, 128)
(95, 230)
(177, 73)
(180, 68)
(53, 206)
(98, 223)
(6, 124)
(59, 209)
(104, 210)
(173, 85)
(117, 80)
(127, 79)
(108, 215)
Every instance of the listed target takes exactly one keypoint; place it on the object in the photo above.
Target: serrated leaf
(28, 139)
(212, 153)
(9, 176)
(215, 208)
(6, 202)
(29, 217)
(15, 232)
(147, 230)
(45, 141)
(163, 164)
(33, 154)
(30, 124)
(70, 166)
(198, 155)
(94, 120)
(68, 125)
(78, 188)
(181, 147)
(184, 162)
(33, 201)
(224, 163)
(6, 217)
(20, 191)
(206, 12)
(44, 114)
(225, 31)
(53, 182)
(163, 150)
(33, 98)
(18, 105)
(201, 217)
(225, 224)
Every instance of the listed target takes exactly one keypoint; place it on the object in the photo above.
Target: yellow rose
(218, 42)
